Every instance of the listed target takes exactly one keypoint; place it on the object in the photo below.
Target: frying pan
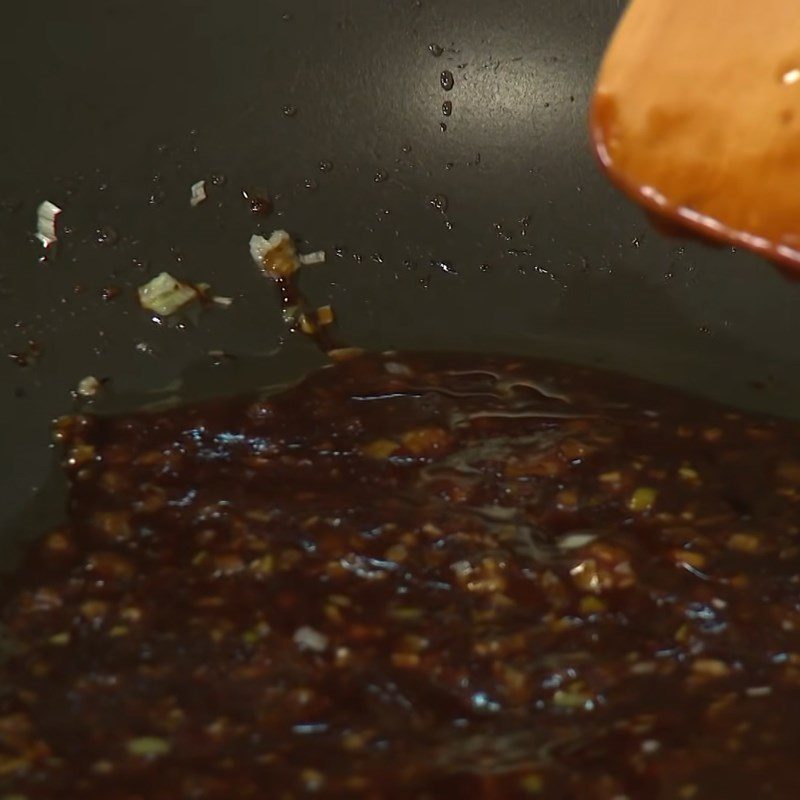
(496, 233)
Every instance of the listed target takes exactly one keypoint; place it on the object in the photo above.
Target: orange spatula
(696, 114)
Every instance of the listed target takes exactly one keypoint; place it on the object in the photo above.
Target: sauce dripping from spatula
(696, 115)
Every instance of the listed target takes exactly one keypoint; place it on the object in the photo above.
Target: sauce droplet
(440, 202)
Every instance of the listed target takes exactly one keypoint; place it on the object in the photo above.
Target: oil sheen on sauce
(696, 115)
(414, 576)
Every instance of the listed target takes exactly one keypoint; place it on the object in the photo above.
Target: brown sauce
(414, 576)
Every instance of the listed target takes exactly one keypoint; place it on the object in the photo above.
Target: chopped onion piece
(88, 386)
(574, 541)
(225, 302)
(312, 258)
(310, 639)
(198, 193)
(46, 215)
(277, 255)
(259, 247)
(164, 295)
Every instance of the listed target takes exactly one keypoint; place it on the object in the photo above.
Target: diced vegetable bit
(308, 259)
(324, 315)
(277, 256)
(574, 696)
(744, 542)
(198, 194)
(573, 541)
(310, 639)
(643, 499)
(46, 215)
(711, 667)
(380, 448)
(345, 353)
(224, 302)
(688, 559)
(591, 604)
(426, 441)
(88, 386)
(148, 747)
(164, 295)
(407, 614)
(307, 325)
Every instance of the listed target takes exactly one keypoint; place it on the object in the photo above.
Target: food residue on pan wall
(278, 259)
(164, 295)
(88, 387)
(46, 215)
(198, 194)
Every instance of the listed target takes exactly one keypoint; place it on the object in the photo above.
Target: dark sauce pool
(414, 576)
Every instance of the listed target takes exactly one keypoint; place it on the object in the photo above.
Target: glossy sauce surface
(414, 576)
(696, 115)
